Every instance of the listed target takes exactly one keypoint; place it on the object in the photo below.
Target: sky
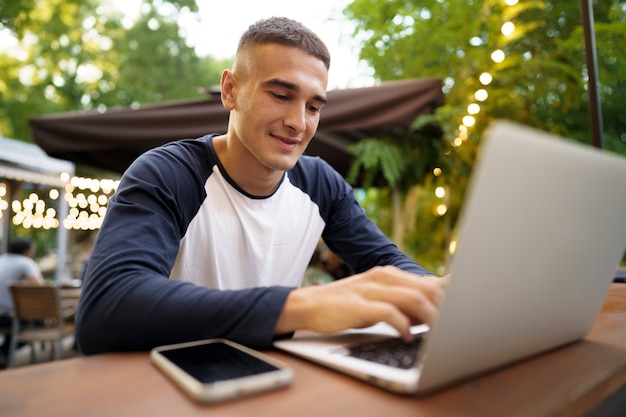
(222, 22)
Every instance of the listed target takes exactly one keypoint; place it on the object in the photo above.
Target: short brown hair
(286, 32)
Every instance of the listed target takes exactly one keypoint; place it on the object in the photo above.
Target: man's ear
(227, 90)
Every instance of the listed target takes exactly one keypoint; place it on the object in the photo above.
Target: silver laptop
(542, 231)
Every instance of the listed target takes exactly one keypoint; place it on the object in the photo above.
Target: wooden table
(571, 381)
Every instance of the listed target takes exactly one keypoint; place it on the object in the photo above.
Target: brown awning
(113, 139)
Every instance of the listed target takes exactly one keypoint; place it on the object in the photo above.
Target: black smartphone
(219, 369)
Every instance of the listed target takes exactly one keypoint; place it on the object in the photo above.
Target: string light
(87, 199)
(4, 204)
(33, 213)
(485, 78)
(498, 56)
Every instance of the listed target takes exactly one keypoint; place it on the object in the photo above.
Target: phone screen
(213, 362)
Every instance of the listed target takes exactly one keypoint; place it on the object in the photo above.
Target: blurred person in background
(17, 265)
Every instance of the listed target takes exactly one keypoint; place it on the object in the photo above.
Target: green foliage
(541, 82)
(398, 159)
(156, 63)
(74, 55)
(375, 155)
(14, 14)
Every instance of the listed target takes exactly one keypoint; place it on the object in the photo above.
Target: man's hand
(382, 294)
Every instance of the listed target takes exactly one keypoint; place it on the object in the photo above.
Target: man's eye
(281, 97)
(314, 109)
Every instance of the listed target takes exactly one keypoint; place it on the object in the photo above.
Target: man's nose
(296, 118)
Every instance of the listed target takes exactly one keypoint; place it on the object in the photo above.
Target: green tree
(60, 49)
(73, 55)
(541, 81)
(156, 64)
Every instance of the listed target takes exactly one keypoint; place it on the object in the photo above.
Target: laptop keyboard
(392, 352)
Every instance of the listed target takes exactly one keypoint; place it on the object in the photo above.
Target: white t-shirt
(249, 242)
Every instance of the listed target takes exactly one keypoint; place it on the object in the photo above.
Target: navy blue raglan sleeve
(128, 302)
(349, 233)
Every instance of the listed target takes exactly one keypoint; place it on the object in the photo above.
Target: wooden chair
(42, 304)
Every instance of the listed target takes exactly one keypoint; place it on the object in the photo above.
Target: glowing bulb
(485, 78)
(469, 121)
(473, 108)
(452, 247)
(498, 56)
(481, 95)
(507, 28)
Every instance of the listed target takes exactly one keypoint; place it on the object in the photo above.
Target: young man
(211, 237)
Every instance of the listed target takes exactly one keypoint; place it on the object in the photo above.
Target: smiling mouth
(291, 143)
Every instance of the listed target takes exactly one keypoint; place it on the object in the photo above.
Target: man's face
(277, 94)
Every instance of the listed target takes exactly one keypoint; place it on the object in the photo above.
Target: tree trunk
(398, 221)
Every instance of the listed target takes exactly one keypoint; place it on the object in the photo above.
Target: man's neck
(248, 173)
